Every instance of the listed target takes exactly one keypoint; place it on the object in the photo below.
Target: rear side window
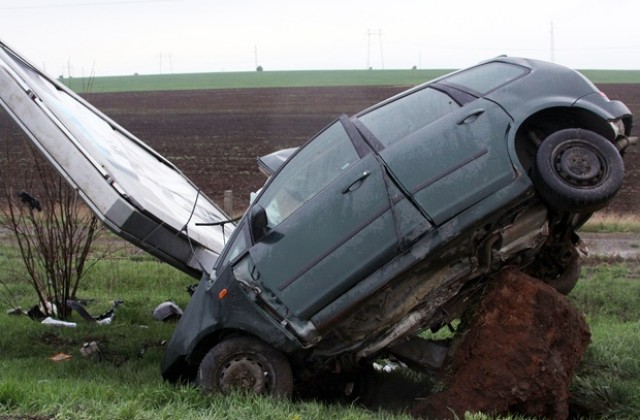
(408, 114)
(486, 77)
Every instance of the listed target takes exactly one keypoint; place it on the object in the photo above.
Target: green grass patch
(612, 76)
(607, 384)
(240, 80)
(283, 79)
(612, 223)
(123, 379)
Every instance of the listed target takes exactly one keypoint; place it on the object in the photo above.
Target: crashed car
(389, 222)
(384, 225)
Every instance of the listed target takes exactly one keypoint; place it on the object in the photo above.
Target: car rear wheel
(245, 364)
(577, 170)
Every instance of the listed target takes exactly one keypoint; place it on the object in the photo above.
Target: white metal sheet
(133, 189)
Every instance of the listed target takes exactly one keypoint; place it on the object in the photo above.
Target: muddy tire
(559, 266)
(567, 281)
(577, 170)
(245, 364)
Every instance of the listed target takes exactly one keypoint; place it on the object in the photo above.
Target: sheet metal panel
(134, 190)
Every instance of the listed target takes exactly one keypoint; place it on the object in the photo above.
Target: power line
(552, 45)
(168, 56)
(81, 4)
(379, 33)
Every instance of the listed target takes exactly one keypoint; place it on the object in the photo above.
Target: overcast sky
(112, 37)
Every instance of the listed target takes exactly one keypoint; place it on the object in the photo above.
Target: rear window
(486, 77)
(408, 114)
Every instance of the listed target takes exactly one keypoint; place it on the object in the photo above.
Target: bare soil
(518, 355)
(215, 136)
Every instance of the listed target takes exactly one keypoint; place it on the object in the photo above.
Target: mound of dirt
(518, 354)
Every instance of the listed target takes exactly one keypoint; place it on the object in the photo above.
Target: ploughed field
(215, 136)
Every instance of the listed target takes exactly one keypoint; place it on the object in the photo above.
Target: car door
(329, 221)
(448, 155)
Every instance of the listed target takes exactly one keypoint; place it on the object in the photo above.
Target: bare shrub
(52, 229)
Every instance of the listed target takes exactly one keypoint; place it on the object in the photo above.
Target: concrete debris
(88, 349)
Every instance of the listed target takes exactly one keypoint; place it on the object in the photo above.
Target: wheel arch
(184, 368)
(278, 340)
(211, 339)
(544, 122)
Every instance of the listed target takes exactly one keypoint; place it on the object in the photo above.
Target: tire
(245, 364)
(567, 281)
(559, 266)
(577, 171)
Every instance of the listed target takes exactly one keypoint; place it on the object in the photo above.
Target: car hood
(134, 190)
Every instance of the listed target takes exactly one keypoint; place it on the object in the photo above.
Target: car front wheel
(577, 170)
(245, 364)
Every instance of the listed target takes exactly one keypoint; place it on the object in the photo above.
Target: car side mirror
(258, 222)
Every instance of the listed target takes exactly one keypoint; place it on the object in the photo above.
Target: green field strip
(287, 79)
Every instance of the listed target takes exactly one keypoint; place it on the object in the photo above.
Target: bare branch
(54, 237)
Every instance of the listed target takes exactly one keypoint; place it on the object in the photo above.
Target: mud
(518, 355)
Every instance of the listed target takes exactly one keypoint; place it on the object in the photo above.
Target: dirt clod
(518, 354)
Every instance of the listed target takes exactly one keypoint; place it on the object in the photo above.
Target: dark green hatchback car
(386, 223)
(383, 225)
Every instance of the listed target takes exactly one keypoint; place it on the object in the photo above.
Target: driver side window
(314, 167)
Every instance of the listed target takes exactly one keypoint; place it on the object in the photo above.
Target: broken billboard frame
(135, 191)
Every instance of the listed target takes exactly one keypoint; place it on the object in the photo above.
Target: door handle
(471, 117)
(356, 184)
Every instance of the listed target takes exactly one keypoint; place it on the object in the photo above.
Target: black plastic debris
(105, 318)
(29, 200)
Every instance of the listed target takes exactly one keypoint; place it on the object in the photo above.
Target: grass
(266, 79)
(605, 222)
(124, 382)
(612, 76)
(607, 384)
(280, 79)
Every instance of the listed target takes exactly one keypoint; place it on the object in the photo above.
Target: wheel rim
(579, 164)
(244, 373)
